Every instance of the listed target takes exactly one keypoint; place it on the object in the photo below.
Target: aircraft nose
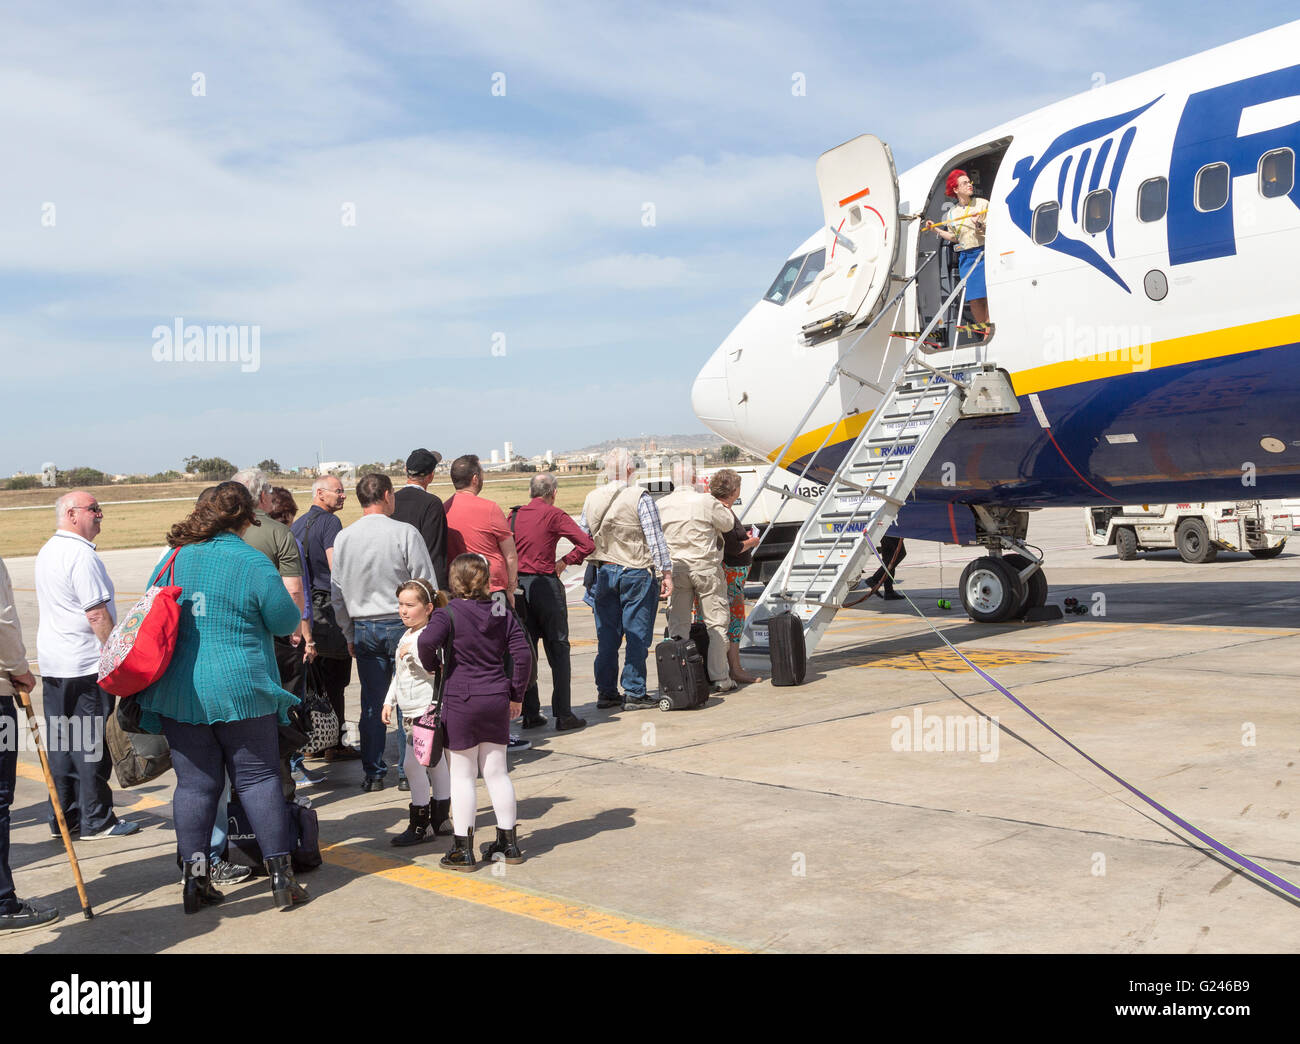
(709, 396)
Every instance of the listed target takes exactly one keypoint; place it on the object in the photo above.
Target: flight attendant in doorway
(966, 229)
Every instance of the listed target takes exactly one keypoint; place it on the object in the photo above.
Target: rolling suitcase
(683, 681)
(788, 651)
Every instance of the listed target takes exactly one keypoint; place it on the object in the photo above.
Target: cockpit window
(811, 270)
(795, 275)
(782, 286)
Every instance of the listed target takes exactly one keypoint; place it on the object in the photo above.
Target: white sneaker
(517, 744)
(122, 828)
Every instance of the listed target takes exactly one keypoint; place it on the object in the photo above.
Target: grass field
(146, 525)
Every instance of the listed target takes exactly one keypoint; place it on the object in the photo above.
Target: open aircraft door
(859, 190)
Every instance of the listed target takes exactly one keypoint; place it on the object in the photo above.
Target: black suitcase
(786, 646)
(683, 681)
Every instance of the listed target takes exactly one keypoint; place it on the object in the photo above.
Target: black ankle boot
(198, 890)
(440, 818)
(461, 856)
(285, 889)
(506, 845)
(418, 830)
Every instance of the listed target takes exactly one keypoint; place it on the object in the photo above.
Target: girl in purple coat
(478, 703)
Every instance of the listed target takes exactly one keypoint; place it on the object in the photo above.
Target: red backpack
(141, 645)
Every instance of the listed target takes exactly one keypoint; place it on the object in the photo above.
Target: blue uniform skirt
(975, 288)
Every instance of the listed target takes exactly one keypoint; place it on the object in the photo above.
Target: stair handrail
(783, 575)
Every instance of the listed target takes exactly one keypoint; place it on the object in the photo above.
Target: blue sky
(475, 214)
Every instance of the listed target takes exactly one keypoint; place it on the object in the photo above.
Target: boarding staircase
(926, 396)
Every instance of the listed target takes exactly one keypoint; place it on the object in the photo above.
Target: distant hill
(706, 440)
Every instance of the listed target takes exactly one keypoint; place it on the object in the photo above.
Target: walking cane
(54, 800)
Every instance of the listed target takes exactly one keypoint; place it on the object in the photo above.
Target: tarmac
(866, 810)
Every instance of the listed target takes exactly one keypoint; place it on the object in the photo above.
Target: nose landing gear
(1000, 587)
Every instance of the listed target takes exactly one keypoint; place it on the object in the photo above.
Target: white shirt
(70, 580)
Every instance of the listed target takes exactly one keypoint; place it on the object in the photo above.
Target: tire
(1035, 586)
(1193, 541)
(991, 590)
(1267, 552)
(665, 704)
(1126, 544)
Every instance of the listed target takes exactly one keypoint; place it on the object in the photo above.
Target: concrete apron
(864, 810)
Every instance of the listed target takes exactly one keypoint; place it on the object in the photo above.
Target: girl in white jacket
(413, 690)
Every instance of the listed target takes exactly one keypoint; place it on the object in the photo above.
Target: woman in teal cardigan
(220, 701)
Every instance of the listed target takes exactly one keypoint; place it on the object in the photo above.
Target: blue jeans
(248, 751)
(8, 776)
(375, 642)
(626, 603)
(221, 825)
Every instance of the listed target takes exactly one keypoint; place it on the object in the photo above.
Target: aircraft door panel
(859, 190)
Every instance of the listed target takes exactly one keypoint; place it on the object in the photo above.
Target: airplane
(1138, 263)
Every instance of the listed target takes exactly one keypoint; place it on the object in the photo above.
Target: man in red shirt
(478, 526)
(538, 527)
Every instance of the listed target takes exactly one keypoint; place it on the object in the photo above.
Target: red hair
(950, 186)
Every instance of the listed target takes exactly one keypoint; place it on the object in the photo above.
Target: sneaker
(303, 778)
(122, 828)
(535, 722)
(223, 872)
(605, 702)
(25, 918)
(517, 744)
(73, 831)
(640, 702)
(571, 721)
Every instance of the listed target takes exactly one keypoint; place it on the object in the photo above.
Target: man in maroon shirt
(538, 527)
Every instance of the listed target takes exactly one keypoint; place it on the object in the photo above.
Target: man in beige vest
(694, 524)
(630, 549)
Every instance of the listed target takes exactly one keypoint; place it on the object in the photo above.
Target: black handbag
(316, 717)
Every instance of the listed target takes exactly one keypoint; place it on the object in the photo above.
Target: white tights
(490, 759)
(419, 777)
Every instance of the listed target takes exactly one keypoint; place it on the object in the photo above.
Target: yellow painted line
(136, 802)
(575, 917)
(1078, 634)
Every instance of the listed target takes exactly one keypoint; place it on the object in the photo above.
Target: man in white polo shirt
(75, 597)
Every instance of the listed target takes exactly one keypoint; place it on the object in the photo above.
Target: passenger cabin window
(812, 268)
(1212, 183)
(779, 292)
(1047, 219)
(1096, 211)
(1153, 199)
(1276, 173)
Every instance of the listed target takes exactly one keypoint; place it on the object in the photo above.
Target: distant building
(510, 452)
(343, 469)
(49, 475)
(496, 457)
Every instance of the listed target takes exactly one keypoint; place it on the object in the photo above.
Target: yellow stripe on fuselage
(1213, 344)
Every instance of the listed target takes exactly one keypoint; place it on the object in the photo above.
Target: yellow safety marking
(1212, 344)
(1077, 635)
(575, 917)
(947, 660)
(135, 801)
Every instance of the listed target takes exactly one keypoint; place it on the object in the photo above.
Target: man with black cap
(421, 509)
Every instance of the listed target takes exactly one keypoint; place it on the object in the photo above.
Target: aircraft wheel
(991, 590)
(1267, 552)
(1126, 544)
(1035, 586)
(1193, 541)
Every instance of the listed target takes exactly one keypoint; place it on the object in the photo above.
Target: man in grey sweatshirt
(372, 558)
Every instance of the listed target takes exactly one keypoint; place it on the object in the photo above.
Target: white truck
(1198, 531)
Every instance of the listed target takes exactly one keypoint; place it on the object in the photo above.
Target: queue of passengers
(412, 589)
